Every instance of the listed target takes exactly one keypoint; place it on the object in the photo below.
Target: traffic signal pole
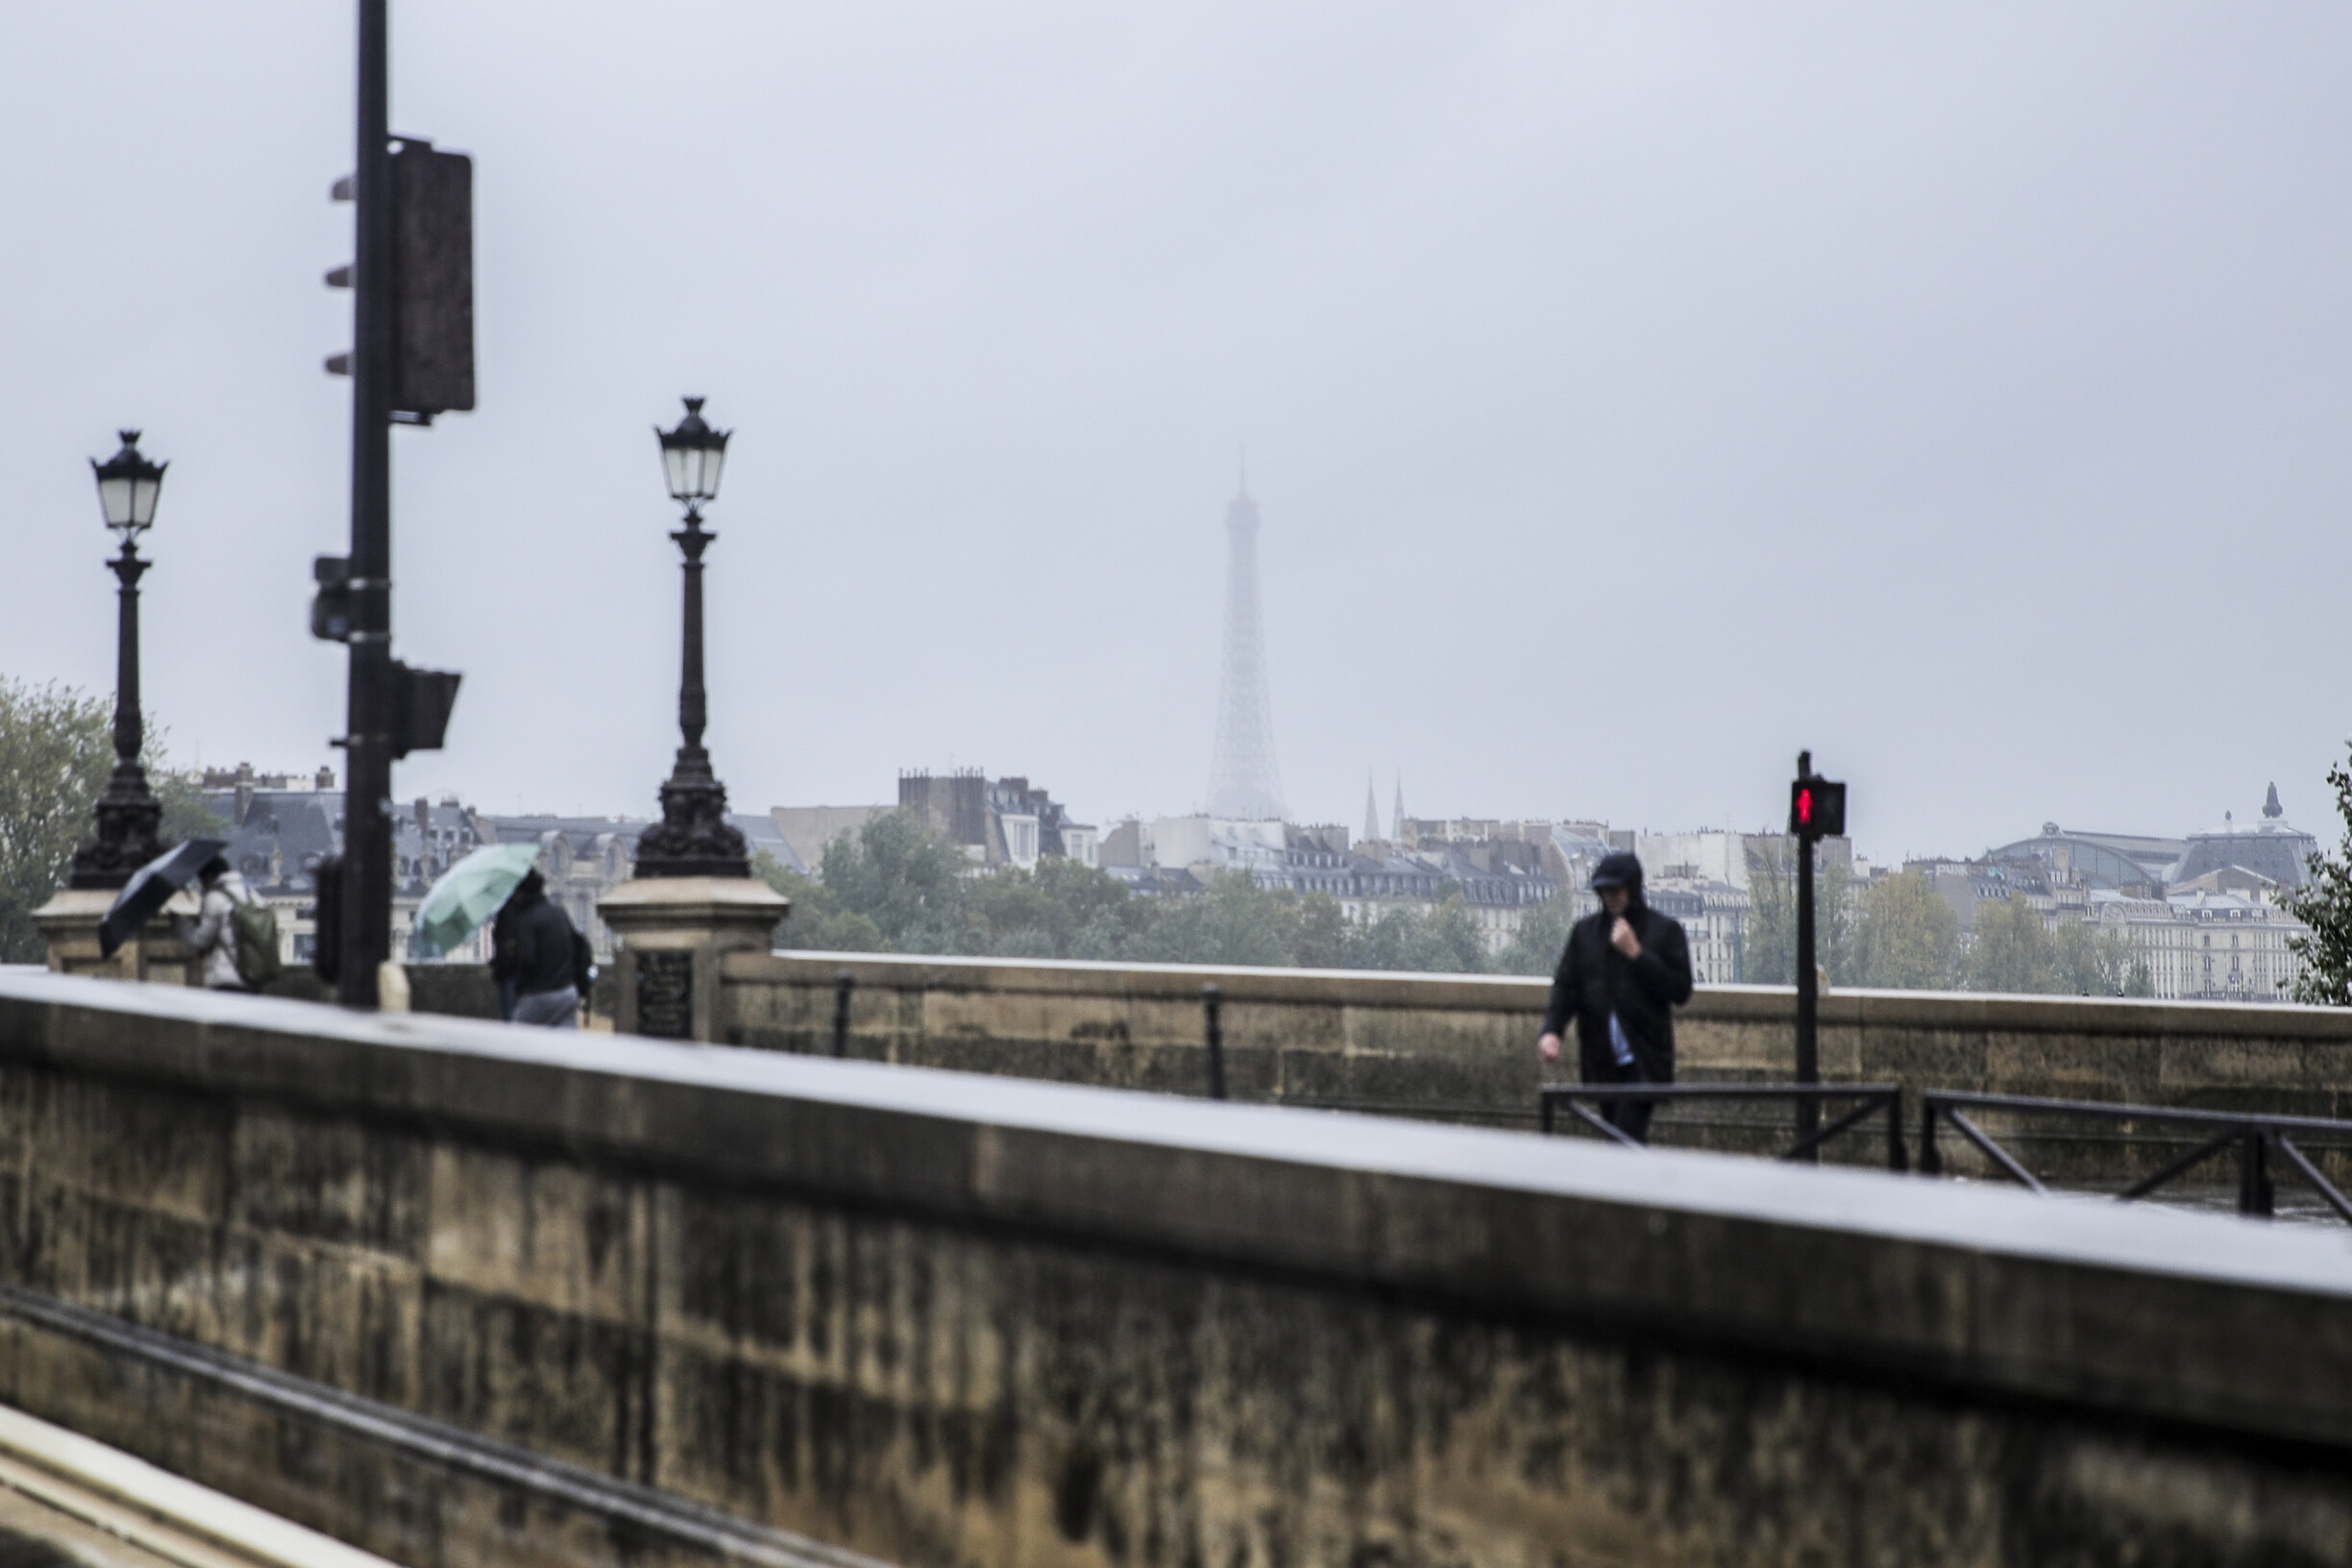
(367, 797)
(1817, 811)
(1808, 972)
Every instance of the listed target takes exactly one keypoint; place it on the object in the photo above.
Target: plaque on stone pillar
(665, 995)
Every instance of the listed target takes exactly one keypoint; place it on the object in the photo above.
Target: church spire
(1396, 819)
(1371, 810)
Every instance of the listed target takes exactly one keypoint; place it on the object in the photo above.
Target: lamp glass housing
(129, 487)
(692, 456)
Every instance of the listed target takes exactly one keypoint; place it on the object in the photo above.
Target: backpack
(254, 928)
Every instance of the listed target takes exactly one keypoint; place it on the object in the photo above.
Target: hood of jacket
(1622, 868)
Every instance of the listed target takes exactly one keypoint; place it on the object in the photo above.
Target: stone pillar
(670, 933)
(68, 923)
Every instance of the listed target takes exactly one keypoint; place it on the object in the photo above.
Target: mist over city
(1633, 397)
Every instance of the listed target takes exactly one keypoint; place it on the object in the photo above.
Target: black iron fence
(1886, 1099)
(2254, 1139)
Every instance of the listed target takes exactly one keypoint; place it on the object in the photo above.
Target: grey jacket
(213, 935)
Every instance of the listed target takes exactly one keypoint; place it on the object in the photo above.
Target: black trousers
(1631, 1118)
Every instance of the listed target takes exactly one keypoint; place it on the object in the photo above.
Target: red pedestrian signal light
(1816, 807)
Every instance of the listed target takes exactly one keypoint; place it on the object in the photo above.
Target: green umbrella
(470, 892)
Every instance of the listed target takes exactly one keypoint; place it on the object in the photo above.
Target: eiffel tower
(1243, 781)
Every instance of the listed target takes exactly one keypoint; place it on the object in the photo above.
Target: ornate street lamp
(694, 836)
(129, 817)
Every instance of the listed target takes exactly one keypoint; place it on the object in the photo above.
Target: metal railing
(2254, 1137)
(1875, 1098)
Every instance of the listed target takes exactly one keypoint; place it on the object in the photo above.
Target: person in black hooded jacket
(532, 954)
(1624, 972)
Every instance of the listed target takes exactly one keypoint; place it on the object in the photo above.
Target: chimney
(244, 792)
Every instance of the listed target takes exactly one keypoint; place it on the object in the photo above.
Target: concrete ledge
(2191, 1318)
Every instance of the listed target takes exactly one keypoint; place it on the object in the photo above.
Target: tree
(1234, 921)
(1906, 938)
(1769, 947)
(55, 747)
(1055, 911)
(2010, 951)
(1324, 932)
(2090, 961)
(905, 879)
(816, 921)
(2324, 904)
(1535, 947)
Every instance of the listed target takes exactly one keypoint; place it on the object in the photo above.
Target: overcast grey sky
(1634, 394)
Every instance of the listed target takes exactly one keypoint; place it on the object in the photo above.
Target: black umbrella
(151, 888)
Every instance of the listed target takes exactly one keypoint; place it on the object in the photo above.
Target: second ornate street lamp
(694, 836)
(129, 817)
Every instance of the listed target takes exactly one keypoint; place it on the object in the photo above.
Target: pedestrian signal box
(1817, 806)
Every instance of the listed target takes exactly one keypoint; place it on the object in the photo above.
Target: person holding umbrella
(230, 931)
(499, 885)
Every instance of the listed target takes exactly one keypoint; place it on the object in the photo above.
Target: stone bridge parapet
(468, 1294)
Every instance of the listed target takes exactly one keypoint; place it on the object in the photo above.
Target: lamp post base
(694, 836)
(129, 832)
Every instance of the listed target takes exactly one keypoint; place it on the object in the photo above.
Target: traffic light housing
(1816, 805)
(431, 292)
(333, 616)
(421, 705)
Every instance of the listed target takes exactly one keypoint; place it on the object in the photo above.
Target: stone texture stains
(944, 1396)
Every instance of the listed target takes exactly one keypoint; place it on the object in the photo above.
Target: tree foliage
(2324, 904)
(1769, 951)
(1907, 937)
(2015, 951)
(2010, 951)
(55, 747)
(897, 887)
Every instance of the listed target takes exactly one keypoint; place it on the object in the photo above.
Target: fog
(1633, 395)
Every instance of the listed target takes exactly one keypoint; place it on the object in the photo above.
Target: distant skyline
(1644, 394)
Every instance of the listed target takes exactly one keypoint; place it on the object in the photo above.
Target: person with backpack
(537, 953)
(234, 933)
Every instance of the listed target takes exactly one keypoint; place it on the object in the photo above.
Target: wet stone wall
(1110, 1331)
(1460, 1049)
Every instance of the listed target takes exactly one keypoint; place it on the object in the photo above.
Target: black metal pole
(1212, 1002)
(130, 725)
(844, 984)
(694, 836)
(694, 706)
(1809, 1000)
(367, 793)
(129, 817)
